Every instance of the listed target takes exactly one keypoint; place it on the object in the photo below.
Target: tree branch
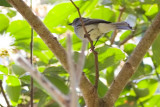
(62, 99)
(132, 63)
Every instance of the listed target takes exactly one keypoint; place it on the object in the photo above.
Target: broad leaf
(13, 89)
(4, 22)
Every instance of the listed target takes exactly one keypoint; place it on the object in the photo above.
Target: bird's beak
(70, 24)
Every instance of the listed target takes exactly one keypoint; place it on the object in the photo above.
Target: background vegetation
(143, 88)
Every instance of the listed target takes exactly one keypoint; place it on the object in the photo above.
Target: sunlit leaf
(58, 15)
(110, 74)
(150, 84)
(125, 35)
(4, 69)
(18, 70)
(100, 13)
(106, 57)
(11, 13)
(20, 29)
(151, 10)
(156, 50)
(13, 89)
(154, 100)
(102, 89)
(4, 22)
(128, 48)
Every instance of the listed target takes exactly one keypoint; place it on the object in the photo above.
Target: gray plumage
(97, 27)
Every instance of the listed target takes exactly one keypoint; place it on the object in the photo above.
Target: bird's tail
(122, 25)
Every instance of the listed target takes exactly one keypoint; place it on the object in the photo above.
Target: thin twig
(73, 80)
(2, 90)
(81, 61)
(86, 35)
(31, 61)
(62, 99)
(130, 37)
(119, 19)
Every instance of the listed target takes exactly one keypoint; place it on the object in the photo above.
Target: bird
(96, 28)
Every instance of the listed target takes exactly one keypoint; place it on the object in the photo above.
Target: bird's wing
(88, 21)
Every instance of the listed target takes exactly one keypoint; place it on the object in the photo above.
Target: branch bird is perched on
(97, 27)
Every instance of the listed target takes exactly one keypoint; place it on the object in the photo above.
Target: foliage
(143, 88)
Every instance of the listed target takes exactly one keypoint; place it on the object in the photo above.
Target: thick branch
(89, 92)
(132, 63)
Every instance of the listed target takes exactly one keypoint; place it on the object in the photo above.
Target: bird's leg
(88, 32)
(96, 41)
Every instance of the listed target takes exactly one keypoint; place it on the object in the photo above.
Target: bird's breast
(91, 29)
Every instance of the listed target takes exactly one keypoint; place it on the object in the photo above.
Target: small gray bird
(97, 27)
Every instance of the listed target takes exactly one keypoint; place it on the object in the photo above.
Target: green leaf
(142, 71)
(156, 50)
(13, 89)
(42, 100)
(106, 57)
(81, 101)
(53, 70)
(158, 69)
(42, 96)
(20, 29)
(1, 76)
(150, 84)
(4, 69)
(154, 100)
(77, 43)
(4, 3)
(89, 7)
(129, 47)
(110, 74)
(58, 82)
(141, 92)
(11, 13)
(125, 35)
(4, 22)
(58, 15)
(126, 101)
(18, 70)
(26, 79)
(151, 10)
(39, 44)
(100, 13)
(102, 89)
